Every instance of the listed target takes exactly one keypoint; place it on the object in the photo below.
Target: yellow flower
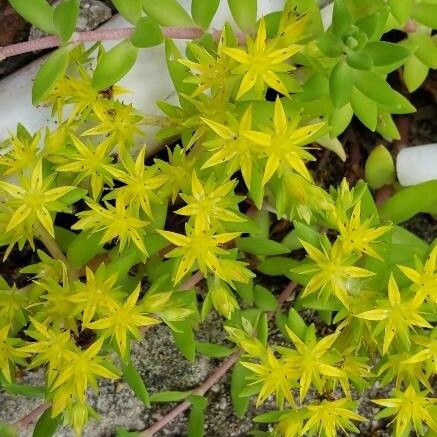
(97, 295)
(275, 377)
(329, 417)
(424, 278)
(261, 62)
(119, 122)
(79, 369)
(397, 316)
(222, 298)
(50, 346)
(237, 145)
(93, 163)
(22, 153)
(311, 361)
(12, 304)
(287, 144)
(121, 320)
(9, 353)
(428, 353)
(410, 407)
(34, 200)
(55, 304)
(177, 171)
(359, 236)
(210, 203)
(202, 248)
(117, 221)
(332, 271)
(209, 72)
(141, 183)
(304, 197)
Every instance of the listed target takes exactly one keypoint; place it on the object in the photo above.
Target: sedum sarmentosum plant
(120, 238)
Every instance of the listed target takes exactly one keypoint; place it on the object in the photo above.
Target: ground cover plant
(120, 238)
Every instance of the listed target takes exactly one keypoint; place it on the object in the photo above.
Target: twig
(32, 416)
(49, 42)
(192, 281)
(215, 377)
(201, 390)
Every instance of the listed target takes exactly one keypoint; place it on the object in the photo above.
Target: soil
(160, 363)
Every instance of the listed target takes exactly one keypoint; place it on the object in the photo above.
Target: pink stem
(201, 390)
(32, 416)
(192, 281)
(215, 377)
(48, 42)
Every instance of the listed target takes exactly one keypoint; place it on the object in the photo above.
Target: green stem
(55, 251)
(156, 120)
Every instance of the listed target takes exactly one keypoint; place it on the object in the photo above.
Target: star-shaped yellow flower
(287, 147)
(397, 316)
(261, 63)
(122, 320)
(238, 145)
(34, 201)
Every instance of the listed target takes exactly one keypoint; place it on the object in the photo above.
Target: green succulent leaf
(136, 383)
(37, 12)
(8, 430)
(83, 248)
(261, 246)
(167, 13)
(341, 83)
(129, 9)
(213, 350)
(426, 13)
(339, 120)
(114, 64)
(377, 89)
(196, 419)
(203, 11)
(238, 383)
(365, 109)
(184, 339)
(65, 18)
(264, 299)
(51, 70)
(379, 168)
(169, 396)
(47, 425)
(401, 10)
(410, 201)
(330, 44)
(244, 13)
(386, 53)
(359, 60)
(341, 18)
(147, 33)
(415, 73)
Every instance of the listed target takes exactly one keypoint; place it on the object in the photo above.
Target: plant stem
(201, 390)
(156, 120)
(215, 377)
(32, 416)
(49, 42)
(51, 245)
(55, 251)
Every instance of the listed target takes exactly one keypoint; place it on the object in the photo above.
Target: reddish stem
(49, 42)
(32, 416)
(215, 377)
(201, 390)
